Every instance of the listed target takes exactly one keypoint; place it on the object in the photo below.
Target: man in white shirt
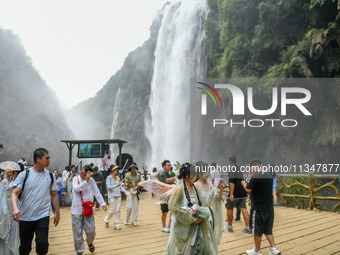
(34, 212)
(65, 175)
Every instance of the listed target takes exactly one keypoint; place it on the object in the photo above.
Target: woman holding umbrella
(9, 231)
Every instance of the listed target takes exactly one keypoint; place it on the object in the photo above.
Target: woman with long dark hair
(193, 228)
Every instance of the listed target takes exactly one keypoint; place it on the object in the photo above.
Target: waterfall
(108, 161)
(115, 116)
(98, 161)
(113, 129)
(179, 56)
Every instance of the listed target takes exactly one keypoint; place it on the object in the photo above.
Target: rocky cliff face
(261, 38)
(318, 54)
(30, 115)
(280, 39)
(93, 118)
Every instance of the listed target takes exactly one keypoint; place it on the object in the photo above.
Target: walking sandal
(91, 247)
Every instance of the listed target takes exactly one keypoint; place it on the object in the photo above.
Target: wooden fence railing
(312, 196)
(312, 190)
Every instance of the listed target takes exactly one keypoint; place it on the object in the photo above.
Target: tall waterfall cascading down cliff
(108, 161)
(115, 119)
(115, 116)
(179, 56)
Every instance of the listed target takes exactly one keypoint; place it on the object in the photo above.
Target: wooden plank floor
(295, 231)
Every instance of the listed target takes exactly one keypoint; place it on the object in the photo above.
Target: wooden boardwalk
(295, 231)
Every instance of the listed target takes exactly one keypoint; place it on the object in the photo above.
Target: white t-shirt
(153, 176)
(36, 197)
(65, 172)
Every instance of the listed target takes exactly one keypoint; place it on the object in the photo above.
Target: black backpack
(23, 185)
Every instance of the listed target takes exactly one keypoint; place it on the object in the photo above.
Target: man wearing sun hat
(132, 199)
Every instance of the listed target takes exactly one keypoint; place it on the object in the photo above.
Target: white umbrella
(10, 164)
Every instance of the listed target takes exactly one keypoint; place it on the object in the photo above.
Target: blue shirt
(274, 182)
(60, 184)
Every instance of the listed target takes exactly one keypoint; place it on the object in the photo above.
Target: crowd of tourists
(194, 207)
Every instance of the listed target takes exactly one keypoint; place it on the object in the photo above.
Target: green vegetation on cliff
(260, 38)
(272, 38)
(279, 39)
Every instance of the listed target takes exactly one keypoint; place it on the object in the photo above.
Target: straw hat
(115, 168)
